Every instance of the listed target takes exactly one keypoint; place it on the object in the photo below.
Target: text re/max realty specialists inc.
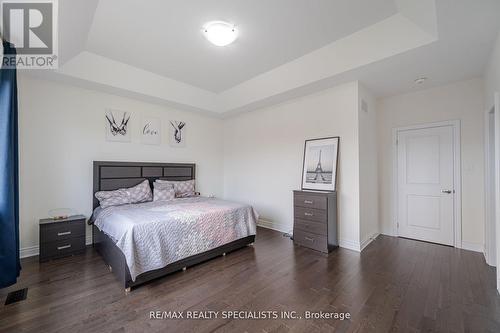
(252, 315)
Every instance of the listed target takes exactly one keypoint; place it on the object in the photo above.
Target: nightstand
(60, 238)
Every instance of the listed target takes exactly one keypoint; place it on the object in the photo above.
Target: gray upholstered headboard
(114, 175)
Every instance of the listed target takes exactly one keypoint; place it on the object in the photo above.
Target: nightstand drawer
(61, 231)
(312, 241)
(61, 248)
(310, 214)
(318, 228)
(310, 201)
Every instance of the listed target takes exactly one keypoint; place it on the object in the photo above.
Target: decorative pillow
(180, 186)
(187, 195)
(123, 196)
(113, 198)
(162, 193)
(141, 192)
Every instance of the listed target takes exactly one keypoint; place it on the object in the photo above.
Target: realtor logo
(32, 27)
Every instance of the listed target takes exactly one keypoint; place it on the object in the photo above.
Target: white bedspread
(154, 234)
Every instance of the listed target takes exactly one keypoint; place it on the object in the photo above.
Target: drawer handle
(64, 233)
(309, 202)
(308, 214)
(309, 239)
(63, 247)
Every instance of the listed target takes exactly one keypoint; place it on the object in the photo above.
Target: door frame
(457, 175)
(497, 185)
(496, 188)
(488, 244)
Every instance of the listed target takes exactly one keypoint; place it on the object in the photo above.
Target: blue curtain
(10, 265)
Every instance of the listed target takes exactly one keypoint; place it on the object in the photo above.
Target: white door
(425, 184)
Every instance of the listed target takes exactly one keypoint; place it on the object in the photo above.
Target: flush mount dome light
(220, 33)
(420, 80)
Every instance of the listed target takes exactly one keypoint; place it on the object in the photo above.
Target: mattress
(154, 234)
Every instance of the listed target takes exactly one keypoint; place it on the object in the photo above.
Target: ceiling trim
(414, 26)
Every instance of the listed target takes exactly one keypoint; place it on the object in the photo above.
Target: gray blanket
(154, 234)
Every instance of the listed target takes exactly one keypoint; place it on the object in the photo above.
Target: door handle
(447, 191)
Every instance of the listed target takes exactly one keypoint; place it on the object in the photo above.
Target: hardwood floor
(395, 285)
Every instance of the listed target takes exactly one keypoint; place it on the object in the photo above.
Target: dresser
(63, 237)
(315, 220)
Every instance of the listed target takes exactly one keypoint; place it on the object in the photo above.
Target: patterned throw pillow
(141, 192)
(163, 192)
(180, 186)
(123, 196)
(186, 195)
(113, 198)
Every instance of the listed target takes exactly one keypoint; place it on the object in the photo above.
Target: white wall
(62, 131)
(263, 152)
(368, 166)
(492, 74)
(252, 157)
(462, 100)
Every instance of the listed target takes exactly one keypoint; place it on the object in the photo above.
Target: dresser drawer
(61, 248)
(310, 201)
(312, 241)
(319, 228)
(310, 214)
(61, 231)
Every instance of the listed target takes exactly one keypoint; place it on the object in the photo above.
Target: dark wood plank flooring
(395, 285)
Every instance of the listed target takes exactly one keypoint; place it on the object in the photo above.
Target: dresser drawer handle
(309, 239)
(64, 233)
(309, 202)
(63, 247)
(308, 214)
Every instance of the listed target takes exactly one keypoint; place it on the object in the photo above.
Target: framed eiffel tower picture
(319, 172)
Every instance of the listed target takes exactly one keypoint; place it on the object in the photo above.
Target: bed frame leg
(127, 290)
(184, 268)
(110, 268)
(224, 254)
(251, 244)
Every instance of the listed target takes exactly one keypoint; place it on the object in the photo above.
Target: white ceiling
(165, 37)
(467, 30)
(154, 49)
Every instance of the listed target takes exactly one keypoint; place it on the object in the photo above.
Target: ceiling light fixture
(420, 80)
(220, 33)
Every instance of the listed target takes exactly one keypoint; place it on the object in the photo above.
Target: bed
(142, 242)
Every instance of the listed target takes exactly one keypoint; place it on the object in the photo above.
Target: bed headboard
(114, 175)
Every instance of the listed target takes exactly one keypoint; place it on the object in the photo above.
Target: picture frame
(151, 131)
(177, 134)
(320, 164)
(118, 125)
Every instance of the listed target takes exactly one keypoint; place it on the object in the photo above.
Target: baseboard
(29, 251)
(488, 260)
(357, 246)
(273, 226)
(473, 246)
(370, 239)
(350, 245)
(32, 251)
